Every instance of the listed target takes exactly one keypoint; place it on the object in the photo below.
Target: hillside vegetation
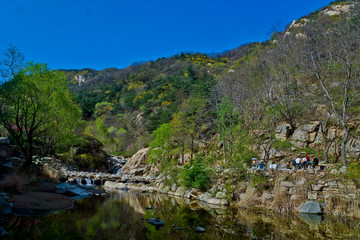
(297, 92)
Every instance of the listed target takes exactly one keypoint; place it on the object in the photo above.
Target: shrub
(353, 172)
(196, 175)
(258, 181)
(11, 184)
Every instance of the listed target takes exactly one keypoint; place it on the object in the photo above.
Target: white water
(118, 172)
(88, 182)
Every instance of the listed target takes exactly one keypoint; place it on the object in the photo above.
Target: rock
(187, 194)
(310, 207)
(156, 222)
(173, 188)
(134, 162)
(220, 195)
(217, 201)
(299, 144)
(195, 193)
(70, 188)
(353, 147)
(311, 219)
(300, 36)
(115, 185)
(310, 127)
(343, 169)
(283, 131)
(180, 191)
(317, 187)
(312, 136)
(205, 196)
(200, 230)
(300, 135)
(164, 189)
(40, 203)
(312, 195)
(287, 184)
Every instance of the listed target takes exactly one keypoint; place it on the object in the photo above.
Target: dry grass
(282, 202)
(251, 199)
(11, 184)
(343, 206)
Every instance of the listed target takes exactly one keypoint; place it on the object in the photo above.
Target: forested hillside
(307, 73)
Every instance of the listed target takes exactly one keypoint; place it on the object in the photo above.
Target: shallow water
(122, 215)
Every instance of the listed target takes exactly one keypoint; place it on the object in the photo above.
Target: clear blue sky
(100, 34)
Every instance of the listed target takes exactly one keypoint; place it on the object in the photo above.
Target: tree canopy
(34, 103)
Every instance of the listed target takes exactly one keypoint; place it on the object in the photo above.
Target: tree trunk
(325, 143)
(343, 146)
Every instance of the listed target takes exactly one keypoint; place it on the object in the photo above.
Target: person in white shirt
(298, 161)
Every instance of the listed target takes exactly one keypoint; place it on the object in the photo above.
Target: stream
(123, 215)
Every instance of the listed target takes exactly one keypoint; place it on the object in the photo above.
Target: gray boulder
(311, 207)
(65, 188)
(283, 131)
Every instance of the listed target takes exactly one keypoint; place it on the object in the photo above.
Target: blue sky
(73, 34)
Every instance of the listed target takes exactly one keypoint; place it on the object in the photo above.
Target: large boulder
(180, 191)
(70, 189)
(311, 207)
(283, 131)
(205, 196)
(300, 135)
(136, 161)
(115, 185)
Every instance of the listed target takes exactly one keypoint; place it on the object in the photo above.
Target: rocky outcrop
(305, 134)
(136, 164)
(338, 9)
(283, 131)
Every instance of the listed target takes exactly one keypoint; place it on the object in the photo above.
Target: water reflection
(122, 215)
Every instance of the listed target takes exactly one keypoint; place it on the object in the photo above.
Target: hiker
(315, 161)
(294, 165)
(304, 162)
(298, 161)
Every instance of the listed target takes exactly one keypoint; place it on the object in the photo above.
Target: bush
(11, 184)
(353, 172)
(196, 175)
(258, 181)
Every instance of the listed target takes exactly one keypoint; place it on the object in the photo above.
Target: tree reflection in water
(122, 215)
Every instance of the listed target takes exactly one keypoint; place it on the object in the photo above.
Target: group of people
(305, 162)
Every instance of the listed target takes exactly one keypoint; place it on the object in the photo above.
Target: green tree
(34, 101)
(161, 146)
(227, 119)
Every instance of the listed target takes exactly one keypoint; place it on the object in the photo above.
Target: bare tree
(11, 63)
(332, 59)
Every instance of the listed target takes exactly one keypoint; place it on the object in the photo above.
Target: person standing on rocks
(298, 161)
(315, 161)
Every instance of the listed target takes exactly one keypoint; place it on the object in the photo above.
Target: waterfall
(88, 181)
(101, 182)
(78, 181)
(118, 172)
